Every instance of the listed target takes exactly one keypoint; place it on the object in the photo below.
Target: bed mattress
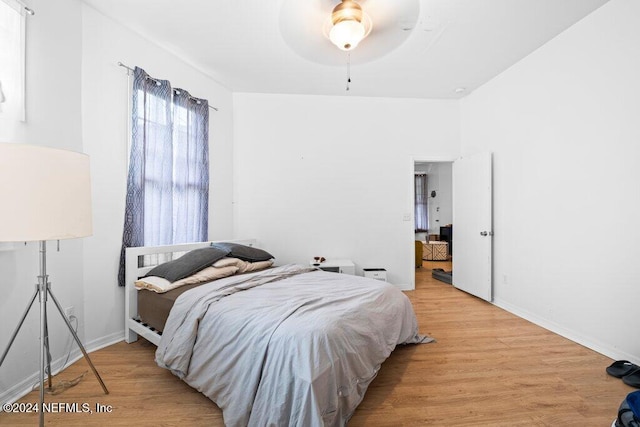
(154, 308)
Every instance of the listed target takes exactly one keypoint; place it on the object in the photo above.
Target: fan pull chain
(348, 70)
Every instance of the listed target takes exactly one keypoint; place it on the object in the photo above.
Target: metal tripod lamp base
(42, 292)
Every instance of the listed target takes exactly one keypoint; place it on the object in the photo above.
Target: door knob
(484, 233)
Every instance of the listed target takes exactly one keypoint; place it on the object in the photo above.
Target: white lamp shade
(45, 193)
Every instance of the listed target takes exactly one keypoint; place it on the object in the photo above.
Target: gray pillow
(245, 253)
(189, 263)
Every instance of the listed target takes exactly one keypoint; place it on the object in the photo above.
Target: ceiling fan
(307, 27)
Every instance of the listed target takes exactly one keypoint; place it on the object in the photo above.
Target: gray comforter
(289, 346)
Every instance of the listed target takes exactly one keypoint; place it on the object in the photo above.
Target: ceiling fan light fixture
(347, 34)
(349, 25)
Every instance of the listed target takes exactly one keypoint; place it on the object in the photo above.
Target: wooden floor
(487, 368)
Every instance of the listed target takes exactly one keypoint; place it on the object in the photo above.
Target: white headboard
(136, 268)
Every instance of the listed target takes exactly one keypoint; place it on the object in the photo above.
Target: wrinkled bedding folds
(290, 345)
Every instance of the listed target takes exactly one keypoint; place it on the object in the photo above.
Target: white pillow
(243, 266)
(208, 274)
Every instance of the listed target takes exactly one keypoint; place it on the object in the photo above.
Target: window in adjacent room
(421, 210)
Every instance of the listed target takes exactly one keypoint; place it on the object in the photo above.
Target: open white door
(472, 225)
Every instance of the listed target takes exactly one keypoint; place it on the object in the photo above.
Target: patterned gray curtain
(149, 204)
(190, 168)
(421, 208)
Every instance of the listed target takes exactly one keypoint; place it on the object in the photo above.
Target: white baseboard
(604, 349)
(26, 386)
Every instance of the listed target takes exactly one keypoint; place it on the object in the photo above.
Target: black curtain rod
(131, 69)
(26, 8)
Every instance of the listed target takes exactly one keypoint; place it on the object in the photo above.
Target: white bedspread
(289, 346)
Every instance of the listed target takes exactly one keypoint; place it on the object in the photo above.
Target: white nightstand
(375, 273)
(345, 266)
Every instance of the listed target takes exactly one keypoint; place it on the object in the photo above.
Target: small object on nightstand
(317, 260)
(375, 273)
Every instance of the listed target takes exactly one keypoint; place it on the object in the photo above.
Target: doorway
(471, 219)
(433, 222)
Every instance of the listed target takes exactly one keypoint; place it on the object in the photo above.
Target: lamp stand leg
(42, 292)
(44, 341)
(15, 333)
(47, 349)
(75, 336)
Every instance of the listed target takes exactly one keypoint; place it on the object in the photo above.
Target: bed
(287, 345)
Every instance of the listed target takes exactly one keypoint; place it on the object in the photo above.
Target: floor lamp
(45, 195)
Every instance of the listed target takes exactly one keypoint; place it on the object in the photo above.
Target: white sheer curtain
(12, 59)
(168, 181)
(421, 209)
(190, 167)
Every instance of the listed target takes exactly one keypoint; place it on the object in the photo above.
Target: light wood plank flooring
(487, 368)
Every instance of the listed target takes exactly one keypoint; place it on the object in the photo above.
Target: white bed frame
(132, 324)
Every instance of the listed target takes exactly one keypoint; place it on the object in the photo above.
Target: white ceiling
(417, 48)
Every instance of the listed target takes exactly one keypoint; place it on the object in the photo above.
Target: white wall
(563, 127)
(332, 176)
(77, 99)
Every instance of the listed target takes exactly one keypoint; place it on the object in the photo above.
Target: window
(12, 62)
(421, 210)
(168, 182)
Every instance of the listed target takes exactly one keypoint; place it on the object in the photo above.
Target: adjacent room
(467, 171)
